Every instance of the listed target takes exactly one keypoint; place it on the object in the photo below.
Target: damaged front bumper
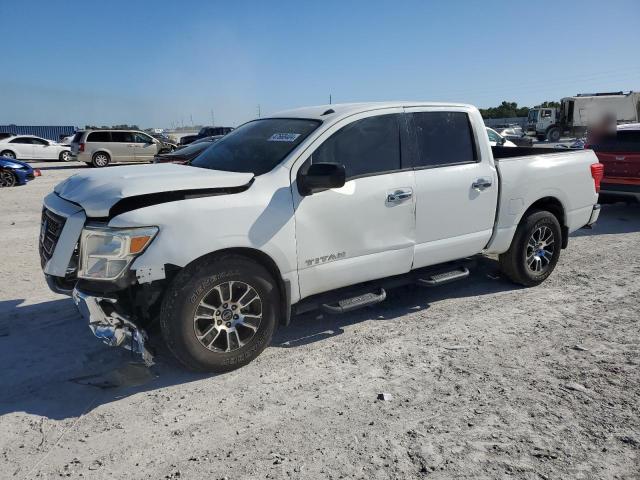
(110, 326)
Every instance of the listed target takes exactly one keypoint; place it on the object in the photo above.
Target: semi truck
(576, 113)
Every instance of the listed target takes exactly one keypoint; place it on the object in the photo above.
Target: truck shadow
(53, 367)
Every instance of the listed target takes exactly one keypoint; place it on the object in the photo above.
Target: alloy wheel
(540, 249)
(228, 316)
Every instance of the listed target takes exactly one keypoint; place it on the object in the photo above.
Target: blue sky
(159, 63)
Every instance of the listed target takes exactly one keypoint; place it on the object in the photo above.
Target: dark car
(205, 132)
(13, 172)
(185, 154)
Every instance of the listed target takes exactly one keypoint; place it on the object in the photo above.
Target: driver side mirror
(502, 141)
(319, 177)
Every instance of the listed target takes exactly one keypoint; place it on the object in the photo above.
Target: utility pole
(329, 99)
(191, 116)
(259, 111)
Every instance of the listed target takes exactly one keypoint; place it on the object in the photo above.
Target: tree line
(511, 109)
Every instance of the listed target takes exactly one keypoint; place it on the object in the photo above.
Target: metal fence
(50, 132)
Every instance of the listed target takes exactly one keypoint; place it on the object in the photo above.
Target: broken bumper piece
(111, 327)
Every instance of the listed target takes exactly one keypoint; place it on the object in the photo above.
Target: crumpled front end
(59, 248)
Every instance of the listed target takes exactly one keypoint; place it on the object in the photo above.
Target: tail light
(597, 172)
(81, 147)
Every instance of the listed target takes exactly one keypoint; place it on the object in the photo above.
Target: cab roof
(340, 110)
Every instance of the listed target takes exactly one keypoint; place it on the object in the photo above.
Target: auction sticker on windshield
(283, 137)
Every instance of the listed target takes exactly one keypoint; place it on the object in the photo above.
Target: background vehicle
(205, 132)
(30, 147)
(575, 113)
(212, 138)
(320, 207)
(515, 134)
(497, 140)
(14, 172)
(4, 135)
(620, 155)
(99, 148)
(187, 153)
(168, 145)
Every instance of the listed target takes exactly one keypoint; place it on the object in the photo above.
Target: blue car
(13, 172)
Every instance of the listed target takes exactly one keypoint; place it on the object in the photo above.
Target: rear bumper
(629, 189)
(113, 328)
(595, 213)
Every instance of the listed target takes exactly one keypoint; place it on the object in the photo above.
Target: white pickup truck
(320, 207)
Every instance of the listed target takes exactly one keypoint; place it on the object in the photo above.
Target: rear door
(123, 146)
(456, 190)
(22, 147)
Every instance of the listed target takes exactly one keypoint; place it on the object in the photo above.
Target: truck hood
(98, 190)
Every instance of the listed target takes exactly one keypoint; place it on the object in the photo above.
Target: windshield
(256, 147)
(533, 115)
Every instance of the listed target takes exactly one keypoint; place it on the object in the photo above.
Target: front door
(145, 147)
(366, 229)
(456, 186)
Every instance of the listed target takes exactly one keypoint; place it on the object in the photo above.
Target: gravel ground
(483, 379)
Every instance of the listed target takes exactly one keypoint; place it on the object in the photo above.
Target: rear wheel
(534, 250)
(8, 154)
(100, 159)
(7, 179)
(220, 315)
(64, 156)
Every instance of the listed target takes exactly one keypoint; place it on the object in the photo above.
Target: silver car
(102, 147)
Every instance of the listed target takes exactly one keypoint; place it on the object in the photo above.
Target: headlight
(106, 252)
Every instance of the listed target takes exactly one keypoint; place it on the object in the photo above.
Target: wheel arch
(3, 150)
(261, 258)
(554, 206)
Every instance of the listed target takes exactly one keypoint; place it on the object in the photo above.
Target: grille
(50, 229)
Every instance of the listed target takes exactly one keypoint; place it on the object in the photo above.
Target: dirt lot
(487, 380)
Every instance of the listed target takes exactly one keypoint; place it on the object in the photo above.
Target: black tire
(514, 263)
(194, 285)
(8, 154)
(64, 156)
(553, 135)
(8, 179)
(100, 159)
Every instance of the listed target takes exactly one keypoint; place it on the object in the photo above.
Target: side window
(444, 138)
(142, 138)
(364, 147)
(22, 140)
(122, 137)
(39, 141)
(99, 137)
(546, 114)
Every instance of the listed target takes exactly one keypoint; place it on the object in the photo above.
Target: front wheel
(220, 315)
(65, 156)
(7, 179)
(553, 135)
(534, 250)
(8, 154)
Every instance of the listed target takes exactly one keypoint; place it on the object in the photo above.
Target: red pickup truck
(620, 155)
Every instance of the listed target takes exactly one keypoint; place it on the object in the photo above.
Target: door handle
(481, 184)
(399, 195)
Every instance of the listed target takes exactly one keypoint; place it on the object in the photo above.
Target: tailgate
(620, 165)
